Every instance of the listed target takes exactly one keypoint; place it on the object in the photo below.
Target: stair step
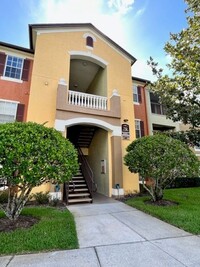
(77, 177)
(77, 185)
(79, 195)
(79, 181)
(80, 189)
(76, 200)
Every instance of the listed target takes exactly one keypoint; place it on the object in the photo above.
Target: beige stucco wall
(99, 84)
(52, 62)
(99, 151)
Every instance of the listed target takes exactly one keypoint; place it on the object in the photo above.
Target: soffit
(82, 73)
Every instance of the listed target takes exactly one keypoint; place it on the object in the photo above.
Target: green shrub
(44, 156)
(41, 197)
(161, 160)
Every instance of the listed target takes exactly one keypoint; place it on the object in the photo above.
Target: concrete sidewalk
(114, 234)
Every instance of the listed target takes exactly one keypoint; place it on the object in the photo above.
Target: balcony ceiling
(82, 73)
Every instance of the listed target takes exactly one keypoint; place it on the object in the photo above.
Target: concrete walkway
(114, 234)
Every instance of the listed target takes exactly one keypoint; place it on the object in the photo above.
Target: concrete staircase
(78, 190)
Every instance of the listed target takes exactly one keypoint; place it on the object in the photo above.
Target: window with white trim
(8, 111)
(139, 128)
(13, 67)
(137, 94)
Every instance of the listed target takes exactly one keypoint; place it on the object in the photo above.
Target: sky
(141, 27)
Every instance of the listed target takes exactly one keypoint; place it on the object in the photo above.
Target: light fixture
(125, 120)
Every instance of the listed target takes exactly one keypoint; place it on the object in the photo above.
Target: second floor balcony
(87, 100)
(79, 102)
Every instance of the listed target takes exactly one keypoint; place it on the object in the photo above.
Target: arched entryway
(93, 142)
(101, 145)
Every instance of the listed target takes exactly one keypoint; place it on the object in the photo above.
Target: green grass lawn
(185, 215)
(54, 231)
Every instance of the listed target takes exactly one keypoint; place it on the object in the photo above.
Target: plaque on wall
(125, 131)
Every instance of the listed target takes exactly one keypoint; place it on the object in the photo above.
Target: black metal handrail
(67, 190)
(87, 172)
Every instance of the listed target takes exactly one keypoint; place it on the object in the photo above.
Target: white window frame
(7, 78)
(12, 66)
(137, 124)
(135, 94)
(4, 110)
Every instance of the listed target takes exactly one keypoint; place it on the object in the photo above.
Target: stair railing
(87, 172)
(67, 189)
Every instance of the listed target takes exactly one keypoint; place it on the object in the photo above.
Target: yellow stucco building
(81, 84)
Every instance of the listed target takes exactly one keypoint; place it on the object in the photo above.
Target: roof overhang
(140, 80)
(18, 48)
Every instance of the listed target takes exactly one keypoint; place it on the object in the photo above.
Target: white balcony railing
(87, 100)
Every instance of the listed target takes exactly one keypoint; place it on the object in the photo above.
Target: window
(8, 110)
(137, 98)
(89, 41)
(139, 128)
(156, 107)
(11, 111)
(14, 67)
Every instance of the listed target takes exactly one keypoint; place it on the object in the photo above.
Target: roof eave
(16, 47)
(140, 80)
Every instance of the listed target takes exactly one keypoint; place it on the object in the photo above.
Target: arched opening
(93, 143)
(100, 144)
(88, 74)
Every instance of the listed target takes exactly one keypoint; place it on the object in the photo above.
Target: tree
(30, 155)
(180, 93)
(162, 159)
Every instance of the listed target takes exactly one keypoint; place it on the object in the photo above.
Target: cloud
(113, 24)
(140, 12)
(107, 15)
(121, 6)
(66, 10)
(141, 70)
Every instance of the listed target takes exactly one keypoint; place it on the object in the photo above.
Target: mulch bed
(162, 202)
(23, 222)
(7, 225)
